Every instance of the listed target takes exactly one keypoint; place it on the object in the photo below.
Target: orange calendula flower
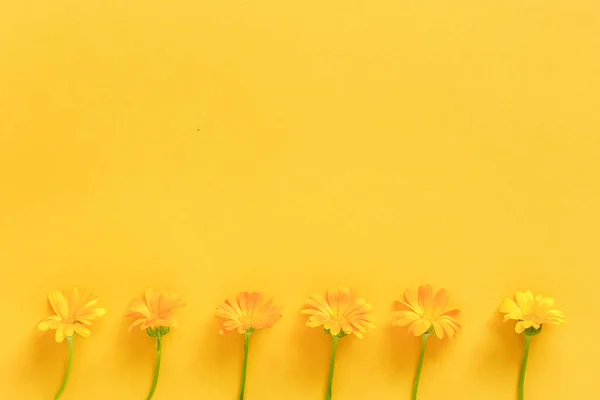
(248, 311)
(425, 313)
(154, 311)
(72, 315)
(531, 311)
(339, 311)
(154, 314)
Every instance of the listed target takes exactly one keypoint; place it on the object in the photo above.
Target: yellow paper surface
(209, 147)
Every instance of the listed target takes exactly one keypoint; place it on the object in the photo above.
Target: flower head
(425, 313)
(71, 315)
(531, 312)
(154, 312)
(340, 312)
(248, 311)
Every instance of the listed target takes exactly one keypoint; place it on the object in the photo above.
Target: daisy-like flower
(425, 313)
(154, 314)
(340, 312)
(248, 311)
(72, 315)
(531, 313)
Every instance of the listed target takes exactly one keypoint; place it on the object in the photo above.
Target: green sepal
(158, 332)
(531, 331)
(339, 335)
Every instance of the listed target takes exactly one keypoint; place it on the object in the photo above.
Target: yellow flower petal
(60, 333)
(82, 330)
(50, 322)
(59, 304)
(509, 306)
(525, 301)
(69, 330)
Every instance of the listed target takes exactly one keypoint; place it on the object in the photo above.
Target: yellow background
(208, 147)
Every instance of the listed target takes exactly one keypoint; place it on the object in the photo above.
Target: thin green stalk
(331, 367)
(524, 367)
(66, 378)
(157, 371)
(245, 367)
(419, 367)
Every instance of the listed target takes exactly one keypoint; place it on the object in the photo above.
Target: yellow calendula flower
(531, 311)
(72, 315)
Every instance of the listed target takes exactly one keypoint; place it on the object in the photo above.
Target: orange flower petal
(426, 298)
(424, 311)
(439, 331)
(253, 313)
(339, 310)
(413, 301)
(403, 318)
(419, 327)
(154, 309)
(440, 301)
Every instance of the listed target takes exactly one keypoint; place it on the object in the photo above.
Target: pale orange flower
(426, 313)
(339, 311)
(155, 310)
(72, 315)
(248, 311)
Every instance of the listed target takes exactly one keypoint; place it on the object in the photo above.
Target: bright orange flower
(426, 313)
(155, 310)
(339, 311)
(72, 316)
(248, 311)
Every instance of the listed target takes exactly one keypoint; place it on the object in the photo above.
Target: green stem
(157, 370)
(245, 367)
(419, 367)
(524, 367)
(331, 367)
(66, 378)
